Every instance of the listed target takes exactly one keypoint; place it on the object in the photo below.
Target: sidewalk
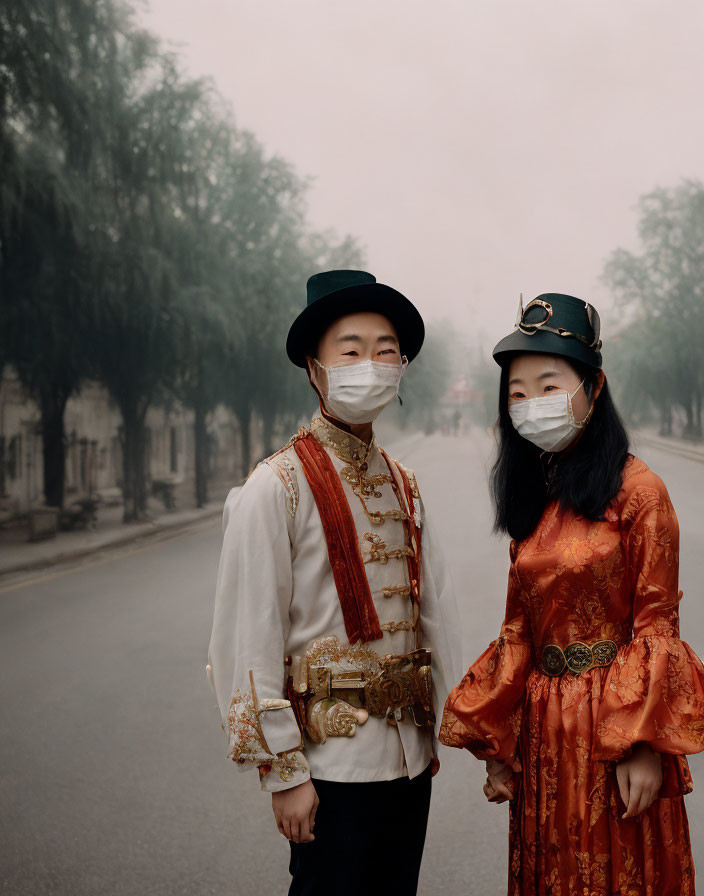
(674, 445)
(17, 554)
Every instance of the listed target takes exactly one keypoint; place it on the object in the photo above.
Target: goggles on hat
(531, 328)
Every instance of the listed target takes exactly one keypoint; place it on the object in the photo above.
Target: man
(333, 639)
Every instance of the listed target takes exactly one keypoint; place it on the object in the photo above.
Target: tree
(51, 52)
(135, 314)
(661, 293)
(145, 241)
(199, 242)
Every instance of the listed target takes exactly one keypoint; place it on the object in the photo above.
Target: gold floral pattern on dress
(580, 580)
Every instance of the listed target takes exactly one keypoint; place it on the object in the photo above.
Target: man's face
(364, 336)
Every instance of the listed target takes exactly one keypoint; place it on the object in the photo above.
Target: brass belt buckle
(327, 714)
(404, 682)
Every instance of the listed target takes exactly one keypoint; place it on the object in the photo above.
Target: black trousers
(369, 839)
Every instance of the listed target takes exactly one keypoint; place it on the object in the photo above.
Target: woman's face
(532, 375)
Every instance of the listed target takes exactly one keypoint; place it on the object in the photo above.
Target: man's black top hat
(332, 294)
(554, 324)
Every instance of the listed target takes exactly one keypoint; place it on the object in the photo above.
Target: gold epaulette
(411, 479)
(286, 471)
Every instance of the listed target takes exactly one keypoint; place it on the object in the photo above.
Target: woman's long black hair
(585, 479)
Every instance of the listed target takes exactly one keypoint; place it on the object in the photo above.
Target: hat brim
(542, 342)
(311, 323)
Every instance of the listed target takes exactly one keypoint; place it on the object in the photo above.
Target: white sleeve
(250, 626)
(440, 619)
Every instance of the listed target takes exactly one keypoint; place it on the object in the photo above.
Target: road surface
(112, 771)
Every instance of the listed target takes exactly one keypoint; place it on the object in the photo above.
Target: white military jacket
(276, 597)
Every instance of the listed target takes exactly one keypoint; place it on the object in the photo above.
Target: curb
(146, 532)
(679, 450)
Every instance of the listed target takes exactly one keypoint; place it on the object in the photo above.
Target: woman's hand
(498, 774)
(639, 778)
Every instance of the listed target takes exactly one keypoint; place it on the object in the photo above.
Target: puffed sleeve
(246, 654)
(483, 713)
(654, 689)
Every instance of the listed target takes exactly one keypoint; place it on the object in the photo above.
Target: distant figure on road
(587, 701)
(333, 640)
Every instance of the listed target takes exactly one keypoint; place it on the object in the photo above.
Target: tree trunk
(200, 436)
(689, 411)
(268, 421)
(134, 466)
(52, 403)
(666, 419)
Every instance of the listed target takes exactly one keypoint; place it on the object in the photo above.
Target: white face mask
(358, 393)
(547, 421)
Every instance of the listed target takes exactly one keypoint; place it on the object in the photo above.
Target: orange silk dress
(577, 580)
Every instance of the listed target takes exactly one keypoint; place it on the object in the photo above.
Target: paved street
(112, 771)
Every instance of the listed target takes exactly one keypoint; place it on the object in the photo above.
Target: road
(112, 771)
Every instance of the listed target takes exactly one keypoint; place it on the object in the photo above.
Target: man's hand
(294, 811)
(639, 778)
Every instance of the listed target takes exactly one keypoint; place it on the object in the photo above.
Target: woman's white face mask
(548, 421)
(358, 393)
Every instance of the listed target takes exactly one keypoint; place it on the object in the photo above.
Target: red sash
(358, 610)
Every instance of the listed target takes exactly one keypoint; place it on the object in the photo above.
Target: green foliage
(145, 240)
(658, 356)
(49, 152)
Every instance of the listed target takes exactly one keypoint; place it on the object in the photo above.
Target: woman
(585, 705)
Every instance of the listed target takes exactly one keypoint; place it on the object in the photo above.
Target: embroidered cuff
(284, 771)
(259, 731)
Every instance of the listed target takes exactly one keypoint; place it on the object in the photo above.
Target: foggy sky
(478, 149)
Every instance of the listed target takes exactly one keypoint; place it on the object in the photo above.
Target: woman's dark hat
(554, 324)
(332, 294)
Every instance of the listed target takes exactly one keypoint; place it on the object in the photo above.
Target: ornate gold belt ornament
(336, 688)
(577, 657)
